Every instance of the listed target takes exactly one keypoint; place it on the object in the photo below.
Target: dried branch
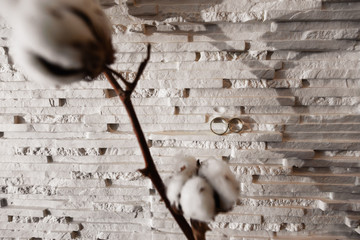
(150, 170)
(199, 229)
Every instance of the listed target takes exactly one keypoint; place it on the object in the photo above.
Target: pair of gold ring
(221, 126)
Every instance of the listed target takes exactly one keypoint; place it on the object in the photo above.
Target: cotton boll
(174, 186)
(223, 181)
(61, 41)
(197, 199)
(187, 167)
(186, 163)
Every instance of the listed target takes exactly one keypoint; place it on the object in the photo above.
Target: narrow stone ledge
(24, 234)
(339, 136)
(318, 144)
(262, 188)
(23, 211)
(251, 136)
(323, 127)
(338, 205)
(350, 162)
(235, 101)
(191, 47)
(315, 15)
(45, 151)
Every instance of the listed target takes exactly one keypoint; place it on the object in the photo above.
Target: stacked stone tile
(289, 69)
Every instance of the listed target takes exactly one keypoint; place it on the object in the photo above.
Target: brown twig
(150, 170)
(199, 229)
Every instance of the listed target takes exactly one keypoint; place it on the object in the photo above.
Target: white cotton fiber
(186, 163)
(222, 180)
(197, 199)
(186, 168)
(60, 42)
(173, 188)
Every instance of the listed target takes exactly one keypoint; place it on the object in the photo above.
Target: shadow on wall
(168, 19)
(170, 13)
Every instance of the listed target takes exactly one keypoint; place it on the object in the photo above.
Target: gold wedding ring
(236, 125)
(220, 125)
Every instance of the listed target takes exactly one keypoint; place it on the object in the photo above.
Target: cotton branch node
(129, 86)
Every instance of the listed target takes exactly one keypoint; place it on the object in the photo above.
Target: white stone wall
(289, 69)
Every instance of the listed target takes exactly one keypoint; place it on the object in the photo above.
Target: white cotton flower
(174, 186)
(186, 163)
(197, 199)
(222, 180)
(186, 166)
(60, 41)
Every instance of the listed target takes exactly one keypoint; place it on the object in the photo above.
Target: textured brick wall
(289, 69)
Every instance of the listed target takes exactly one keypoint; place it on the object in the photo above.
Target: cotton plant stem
(150, 170)
(199, 229)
